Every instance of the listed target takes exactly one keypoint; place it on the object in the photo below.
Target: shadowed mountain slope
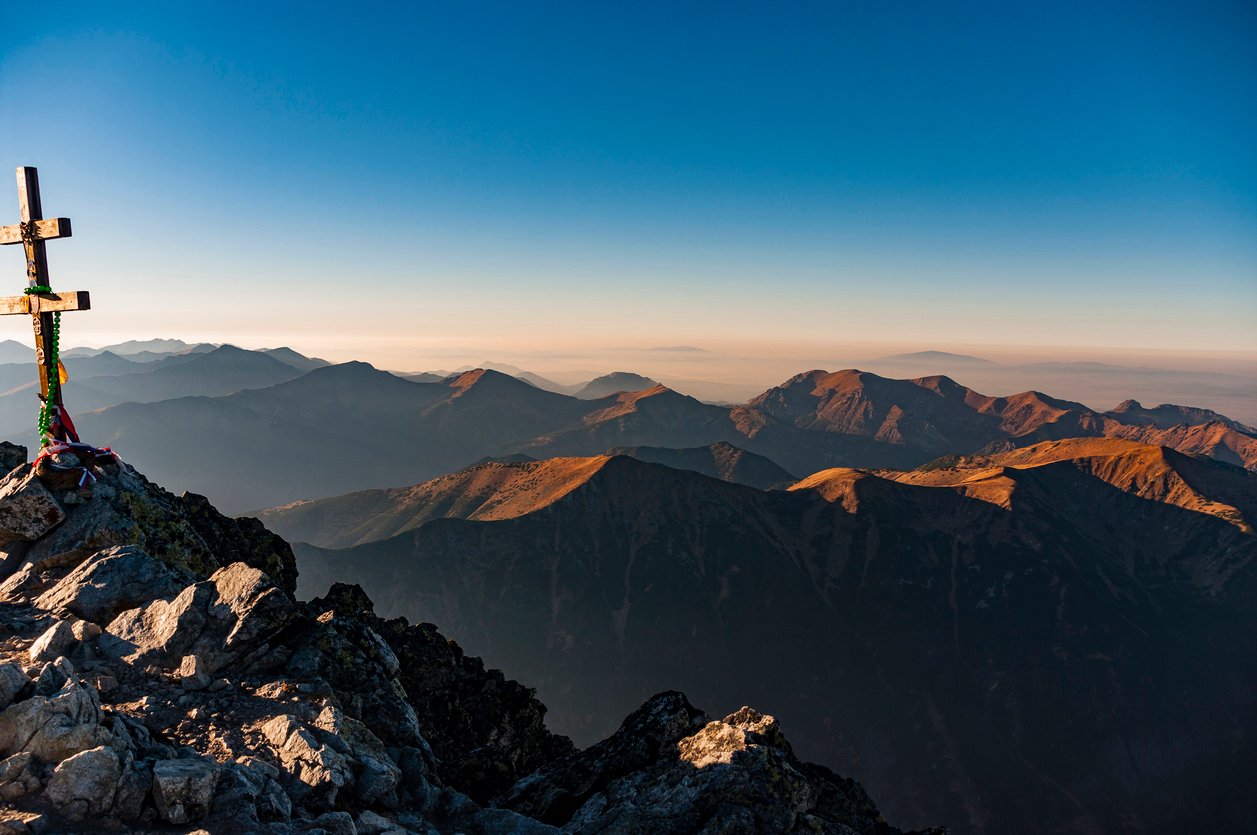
(221, 371)
(720, 460)
(341, 427)
(1028, 665)
(488, 491)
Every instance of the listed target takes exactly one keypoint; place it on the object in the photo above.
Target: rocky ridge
(157, 673)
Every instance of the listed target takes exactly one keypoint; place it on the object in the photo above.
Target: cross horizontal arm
(45, 230)
(46, 302)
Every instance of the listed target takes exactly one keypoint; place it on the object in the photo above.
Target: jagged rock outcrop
(157, 672)
(486, 730)
(670, 768)
(123, 508)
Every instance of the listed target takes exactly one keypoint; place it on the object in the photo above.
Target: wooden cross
(31, 233)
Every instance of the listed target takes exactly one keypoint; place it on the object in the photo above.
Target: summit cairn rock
(157, 671)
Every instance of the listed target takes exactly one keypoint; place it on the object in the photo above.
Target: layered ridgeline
(157, 674)
(106, 378)
(350, 427)
(1049, 638)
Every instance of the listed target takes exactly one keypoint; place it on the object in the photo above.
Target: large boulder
(228, 620)
(27, 509)
(111, 581)
(376, 776)
(85, 783)
(162, 632)
(184, 789)
(315, 772)
(360, 669)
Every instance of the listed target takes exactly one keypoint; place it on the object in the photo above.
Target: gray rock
(134, 784)
(226, 621)
(85, 783)
(55, 727)
(12, 456)
(111, 581)
(272, 802)
(184, 789)
(336, 823)
(12, 680)
(21, 585)
(376, 776)
(647, 735)
(53, 676)
(84, 631)
(54, 642)
(369, 823)
(252, 606)
(18, 776)
(506, 822)
(192, 674)
(162, 632)
(27, 509)
(315, 771)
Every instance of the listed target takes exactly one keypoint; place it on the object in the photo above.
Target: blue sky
(398, 182)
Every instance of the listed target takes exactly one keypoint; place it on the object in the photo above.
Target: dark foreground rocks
(156, 673)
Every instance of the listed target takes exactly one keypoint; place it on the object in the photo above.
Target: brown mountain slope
(485, 492)
(1217, 440)
(937, 416)
(1151, 472)
(720, 460)
(1169, 415)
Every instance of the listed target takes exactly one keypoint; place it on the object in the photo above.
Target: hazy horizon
(735, 372)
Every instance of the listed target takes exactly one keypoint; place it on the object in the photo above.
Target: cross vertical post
(43, 305)
(37, 276)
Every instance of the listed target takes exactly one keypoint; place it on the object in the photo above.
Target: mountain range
(1049, 638)
(288, 435)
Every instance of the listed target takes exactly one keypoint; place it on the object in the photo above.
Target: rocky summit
(157, 673)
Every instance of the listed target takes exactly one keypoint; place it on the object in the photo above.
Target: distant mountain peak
(936, 356)
(1169, 415)
(616, 381)
(480, 377)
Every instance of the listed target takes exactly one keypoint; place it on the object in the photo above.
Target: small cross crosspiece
(39, 301)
